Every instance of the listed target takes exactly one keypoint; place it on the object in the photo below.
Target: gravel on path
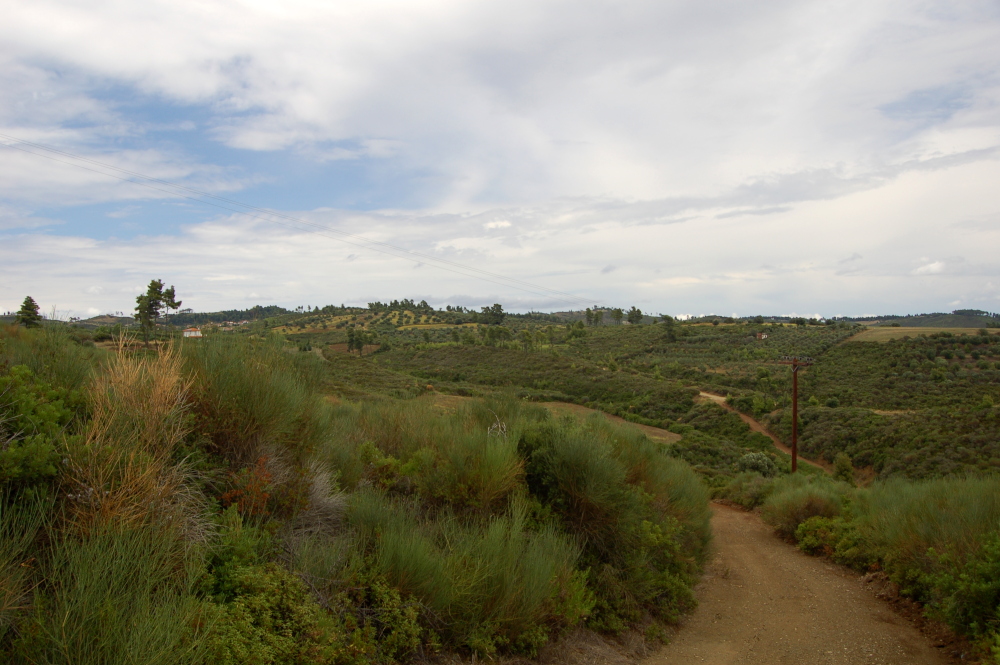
(763, 601)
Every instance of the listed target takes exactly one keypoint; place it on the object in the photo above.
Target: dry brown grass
(122, 469)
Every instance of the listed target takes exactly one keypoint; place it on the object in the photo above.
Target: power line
(275, 217)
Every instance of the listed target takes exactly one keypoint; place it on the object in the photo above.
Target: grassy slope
(473, 530)
(549, 375)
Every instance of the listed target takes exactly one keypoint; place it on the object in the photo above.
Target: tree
(598, 317)
(670, 325)
(149, 304)
(616, 315)
(28, 315)
(356, 340)
(589, 316)
(526, 339)
(635, 315)
(169, 302)
(493, 315)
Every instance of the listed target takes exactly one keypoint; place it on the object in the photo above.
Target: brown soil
(758, 427)
(763, 601)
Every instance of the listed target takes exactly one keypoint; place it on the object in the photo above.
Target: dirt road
(757, 427)
(762, 601)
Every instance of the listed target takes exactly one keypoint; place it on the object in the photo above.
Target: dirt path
(758, 427)
(763, 601)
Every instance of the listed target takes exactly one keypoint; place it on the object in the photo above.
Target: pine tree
(28, 315)
(149, 304)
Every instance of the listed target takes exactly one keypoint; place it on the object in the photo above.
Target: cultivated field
(885, 334)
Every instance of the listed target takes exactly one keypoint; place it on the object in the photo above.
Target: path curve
(756, 426)
(762, 601)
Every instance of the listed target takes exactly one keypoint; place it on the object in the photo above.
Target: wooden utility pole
(796, 362)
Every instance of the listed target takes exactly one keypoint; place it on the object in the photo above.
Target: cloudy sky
(689, 156)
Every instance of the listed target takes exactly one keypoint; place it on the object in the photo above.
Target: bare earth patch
(762, 601)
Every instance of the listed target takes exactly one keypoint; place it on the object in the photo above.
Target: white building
(192, 332)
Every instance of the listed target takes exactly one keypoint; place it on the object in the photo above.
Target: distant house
(761, 335)
(192, 332)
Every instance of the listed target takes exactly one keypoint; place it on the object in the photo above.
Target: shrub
(748, 489)
(33, 418)
(843, 470)
(797, 498)
(641, 516)
(757, 462)
(271, 620)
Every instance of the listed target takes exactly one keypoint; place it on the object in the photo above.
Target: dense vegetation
(206, 503)
(299, 490)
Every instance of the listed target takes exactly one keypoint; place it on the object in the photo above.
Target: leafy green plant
(796, 498)
(33, 421)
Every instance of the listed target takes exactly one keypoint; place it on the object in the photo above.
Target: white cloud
(789, 261)
(932, 268)
(522, 100)
(685, 156)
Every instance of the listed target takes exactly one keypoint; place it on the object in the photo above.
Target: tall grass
(122, 470)
(20, 521)
(484, 584)
(117, 595)
(50, 353)
(252, 398)
(950, 515)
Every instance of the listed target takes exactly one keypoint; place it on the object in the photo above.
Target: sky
(685, 157)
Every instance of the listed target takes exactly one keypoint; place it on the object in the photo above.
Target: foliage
(550, 376)
(757, 462)
(113, 596)
(747, 489)
(33, 419)
(28, 315)
(796, 498)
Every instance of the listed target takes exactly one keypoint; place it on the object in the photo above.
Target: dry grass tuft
(122, 470)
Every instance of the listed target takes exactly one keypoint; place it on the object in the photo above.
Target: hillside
(289, 495)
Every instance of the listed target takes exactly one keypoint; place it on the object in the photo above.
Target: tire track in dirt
(762, 601)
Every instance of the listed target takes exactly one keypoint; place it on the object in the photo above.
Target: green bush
(748, 489)
(757, 462)
(250, 395)
(796, 498)
(270, 619)
(641, 515)
(492, 586)
(33, 419)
